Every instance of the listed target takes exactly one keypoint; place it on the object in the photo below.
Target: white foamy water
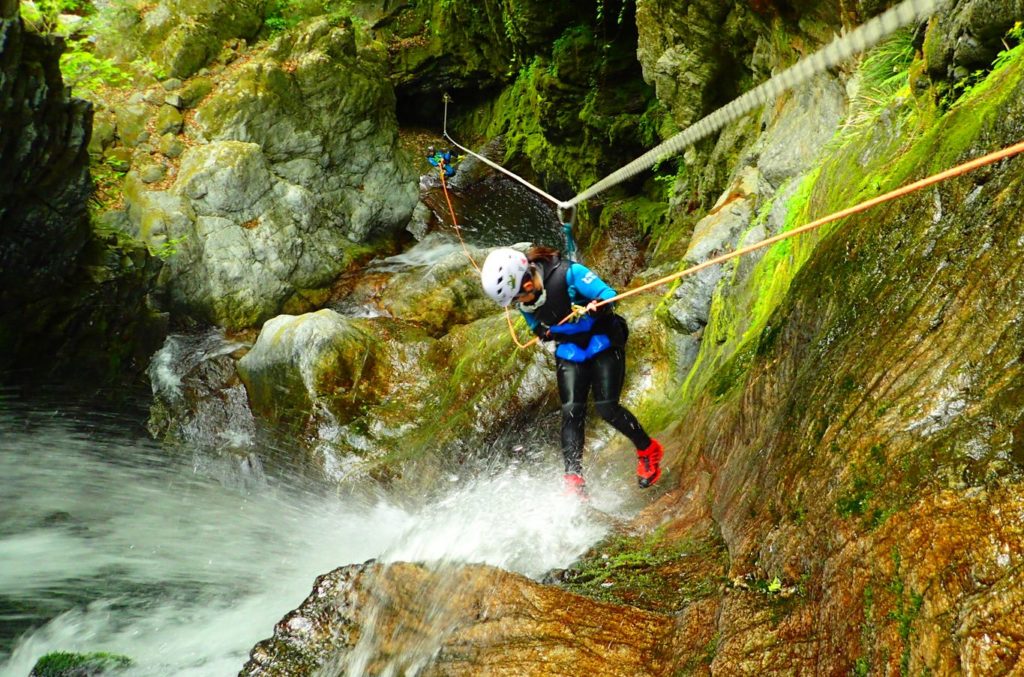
(108, 544)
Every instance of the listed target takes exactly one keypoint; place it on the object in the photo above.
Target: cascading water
(110, 545)
(182, 560)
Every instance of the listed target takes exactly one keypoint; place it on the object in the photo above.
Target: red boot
(648, 463)
(574, 485)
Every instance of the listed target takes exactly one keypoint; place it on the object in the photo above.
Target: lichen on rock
(294, 173)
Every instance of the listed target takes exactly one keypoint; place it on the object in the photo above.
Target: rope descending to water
(455, 220)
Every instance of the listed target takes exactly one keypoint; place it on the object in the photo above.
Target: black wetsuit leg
(573, 388)
(608, 370)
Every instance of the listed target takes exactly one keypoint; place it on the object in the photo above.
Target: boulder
(335, 380)
(440, 294)
(470, 620)
(179, 36)
(297, 169)
(65, 664)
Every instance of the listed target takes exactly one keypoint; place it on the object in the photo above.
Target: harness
(580, 340)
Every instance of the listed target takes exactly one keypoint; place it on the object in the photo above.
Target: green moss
(650, 572)
(64, 664)
(574, 111)
(699, 663)
(876, 159)
(649, 216)
(732, 372)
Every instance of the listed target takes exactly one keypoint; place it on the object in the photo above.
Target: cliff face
(44, 176)
(843, 411)
(72, 301)
(862, 444)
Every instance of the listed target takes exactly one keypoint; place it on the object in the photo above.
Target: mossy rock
(64, 664)
(178, 36)
(195, 90)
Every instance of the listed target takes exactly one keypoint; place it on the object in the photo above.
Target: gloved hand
(542, 331)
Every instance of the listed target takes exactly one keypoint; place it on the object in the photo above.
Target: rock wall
(525, 630)
(290, 172)
(44, 167)
(72, 302)
(850, 421)
(842, 412)
(179, 36)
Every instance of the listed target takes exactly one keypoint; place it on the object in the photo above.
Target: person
(590, 349)
(442, 159)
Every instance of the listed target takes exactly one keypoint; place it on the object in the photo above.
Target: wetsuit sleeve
(589, 285)
(530, 319)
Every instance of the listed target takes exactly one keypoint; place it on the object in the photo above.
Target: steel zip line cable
(953, 172)
(840, 49)
(491, 163)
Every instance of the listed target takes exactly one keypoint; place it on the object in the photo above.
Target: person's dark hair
(541, 253)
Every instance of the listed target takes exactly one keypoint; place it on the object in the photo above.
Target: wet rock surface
(494, 622)
(845, 485)
(62, 286)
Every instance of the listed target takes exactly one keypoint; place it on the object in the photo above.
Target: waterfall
(110, 544)
(182, 554)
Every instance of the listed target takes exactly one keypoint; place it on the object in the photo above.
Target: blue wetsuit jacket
(566, 284)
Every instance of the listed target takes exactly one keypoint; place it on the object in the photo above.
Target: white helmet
(503, 273)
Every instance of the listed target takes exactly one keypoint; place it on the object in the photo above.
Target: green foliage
(650, 571)
(44, 16)
(965, 89)
(884, 72)
(665, 173)
(284, 14)
(87, 73)
(167, 249)
(83, 71)
(601, 12)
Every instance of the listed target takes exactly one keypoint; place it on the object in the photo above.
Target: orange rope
(512, 332)
(465, 250)
(455, 221)
(959, 170)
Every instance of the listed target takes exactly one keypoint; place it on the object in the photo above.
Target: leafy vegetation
(884, 72)
(284, 14)
(964, 90)
(86, 73)
(650, 572)
(52, 16)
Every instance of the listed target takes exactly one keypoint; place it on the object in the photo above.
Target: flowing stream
(110, 543)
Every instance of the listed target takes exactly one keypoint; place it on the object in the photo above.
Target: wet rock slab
(467, 620)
